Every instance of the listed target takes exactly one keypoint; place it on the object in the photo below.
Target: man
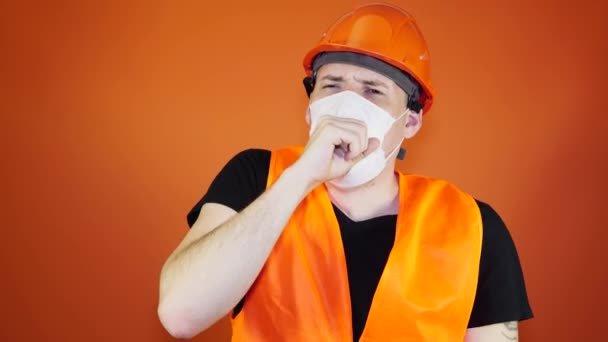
(328, 242)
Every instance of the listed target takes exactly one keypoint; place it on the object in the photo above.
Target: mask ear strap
(400, 153)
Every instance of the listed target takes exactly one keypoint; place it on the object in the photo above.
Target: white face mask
(348, 104)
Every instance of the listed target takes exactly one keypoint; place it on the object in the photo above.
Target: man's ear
(413, 123)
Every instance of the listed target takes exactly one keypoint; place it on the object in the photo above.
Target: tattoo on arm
(509, 331)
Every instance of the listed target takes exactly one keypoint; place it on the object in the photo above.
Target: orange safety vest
(426, 290)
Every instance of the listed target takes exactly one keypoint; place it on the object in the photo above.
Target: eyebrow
(333, 78)
(371, 83)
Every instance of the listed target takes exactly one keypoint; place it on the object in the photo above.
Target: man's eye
(373, 91)
(329, 86)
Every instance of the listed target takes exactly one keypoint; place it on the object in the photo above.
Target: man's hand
(334, 147)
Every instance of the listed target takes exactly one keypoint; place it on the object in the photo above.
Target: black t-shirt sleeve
(238, 184)
(501, 292)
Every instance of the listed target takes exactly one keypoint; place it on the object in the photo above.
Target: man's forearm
(203, 281)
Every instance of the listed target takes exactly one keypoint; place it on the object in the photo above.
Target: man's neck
(379, 197)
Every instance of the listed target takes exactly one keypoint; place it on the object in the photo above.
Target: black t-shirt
(501, 292)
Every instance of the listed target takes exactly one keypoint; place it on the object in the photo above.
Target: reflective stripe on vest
(426, 290)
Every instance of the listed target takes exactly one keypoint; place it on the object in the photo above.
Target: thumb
(372, 145)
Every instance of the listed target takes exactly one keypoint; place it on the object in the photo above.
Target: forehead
(349, 71)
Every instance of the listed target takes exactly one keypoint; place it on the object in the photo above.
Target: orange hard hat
(385, 33)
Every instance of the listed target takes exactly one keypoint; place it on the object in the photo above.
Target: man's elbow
(177, 324)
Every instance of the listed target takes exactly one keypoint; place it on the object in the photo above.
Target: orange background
(116, 115)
